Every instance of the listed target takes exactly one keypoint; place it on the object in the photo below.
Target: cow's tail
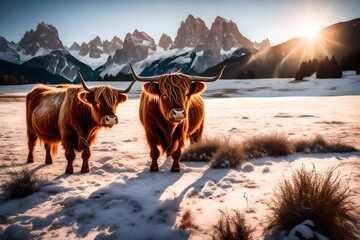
(54, 149)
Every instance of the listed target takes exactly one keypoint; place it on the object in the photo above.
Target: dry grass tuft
(273, 145)
(232, 227)
(229, 155)
(187, 221)
(319, 145)
(321, 197)
(202, 151)
(22, 183)
(222, 152)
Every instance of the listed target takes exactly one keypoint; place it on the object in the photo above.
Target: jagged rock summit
(136, 48)
(165, 41)
(192, 33)
(45, 36)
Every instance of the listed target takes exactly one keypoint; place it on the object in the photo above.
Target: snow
(93, 63)
(121, 199)
(153, 56)
(41, 52)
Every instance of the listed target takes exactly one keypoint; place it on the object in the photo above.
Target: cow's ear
(85, 97)
(151, 88)
(122, 98)
(197, 87)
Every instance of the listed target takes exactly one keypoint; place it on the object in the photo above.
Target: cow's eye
(164, 95)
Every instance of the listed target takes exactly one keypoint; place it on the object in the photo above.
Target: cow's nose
(111, 120)
(177, 114)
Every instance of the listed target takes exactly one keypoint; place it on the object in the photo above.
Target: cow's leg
(69, 153)
(31, 144)
(70, 156)
(48, 159)
(176, 157)
(154, 153)
(85, 156)
(176, 161)
(196, 136)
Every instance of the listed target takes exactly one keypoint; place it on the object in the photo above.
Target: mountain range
(339, 40)
(196, 49)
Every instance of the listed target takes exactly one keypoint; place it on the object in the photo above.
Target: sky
(83, 20)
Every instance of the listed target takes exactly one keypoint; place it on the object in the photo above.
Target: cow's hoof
(175, 170)
(154, 169)
(69, 171)
(85, 170)
(48, 162)
(30, 161)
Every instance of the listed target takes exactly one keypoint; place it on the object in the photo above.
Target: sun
(311, 33)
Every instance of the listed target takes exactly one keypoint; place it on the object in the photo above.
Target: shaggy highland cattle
(171, 111)
(72, 115)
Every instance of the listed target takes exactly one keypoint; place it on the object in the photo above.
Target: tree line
(9, 79)
(329, 68)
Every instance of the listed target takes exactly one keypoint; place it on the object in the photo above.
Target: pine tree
(320, 70)
(334, 68)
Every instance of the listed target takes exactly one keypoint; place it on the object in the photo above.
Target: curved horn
(143, 79)
(207, 79)
(127, 89)
(83, 82)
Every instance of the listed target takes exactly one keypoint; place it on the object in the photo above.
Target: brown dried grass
(22, 183)
(319, 196)
(232, 227)
(187, 221)
(222, 152)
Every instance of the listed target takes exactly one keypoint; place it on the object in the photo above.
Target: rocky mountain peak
(225, 35)
(192, 33)
(84, 49)
(45, 36)
(135, 48)
(75, 47)
(165, 41)
(141, 39)
(97, 41)
(113, 45)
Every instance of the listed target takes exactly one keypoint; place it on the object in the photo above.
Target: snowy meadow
(121, 199)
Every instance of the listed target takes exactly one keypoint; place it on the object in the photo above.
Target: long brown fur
(176, 85)
(159, 131)
(56, 115)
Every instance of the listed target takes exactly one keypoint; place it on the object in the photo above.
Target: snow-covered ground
(121, 199)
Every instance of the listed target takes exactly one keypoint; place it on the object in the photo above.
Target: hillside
(284, 59)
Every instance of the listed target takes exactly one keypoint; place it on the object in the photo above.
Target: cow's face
(103, 101)
(174, 92)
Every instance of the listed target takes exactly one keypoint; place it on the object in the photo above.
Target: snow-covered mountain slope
(8, 51)
(161, 61)
(93, 63)
(60, 63)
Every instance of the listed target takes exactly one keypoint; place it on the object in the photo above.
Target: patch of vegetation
(232, 227)
(229, 155)
(319, 145)
(221, 152)
(22, 183)
(187, 221)
(202, 151)
(321, 197)
(273, 145)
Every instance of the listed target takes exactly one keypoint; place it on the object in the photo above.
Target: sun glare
(311, 33)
